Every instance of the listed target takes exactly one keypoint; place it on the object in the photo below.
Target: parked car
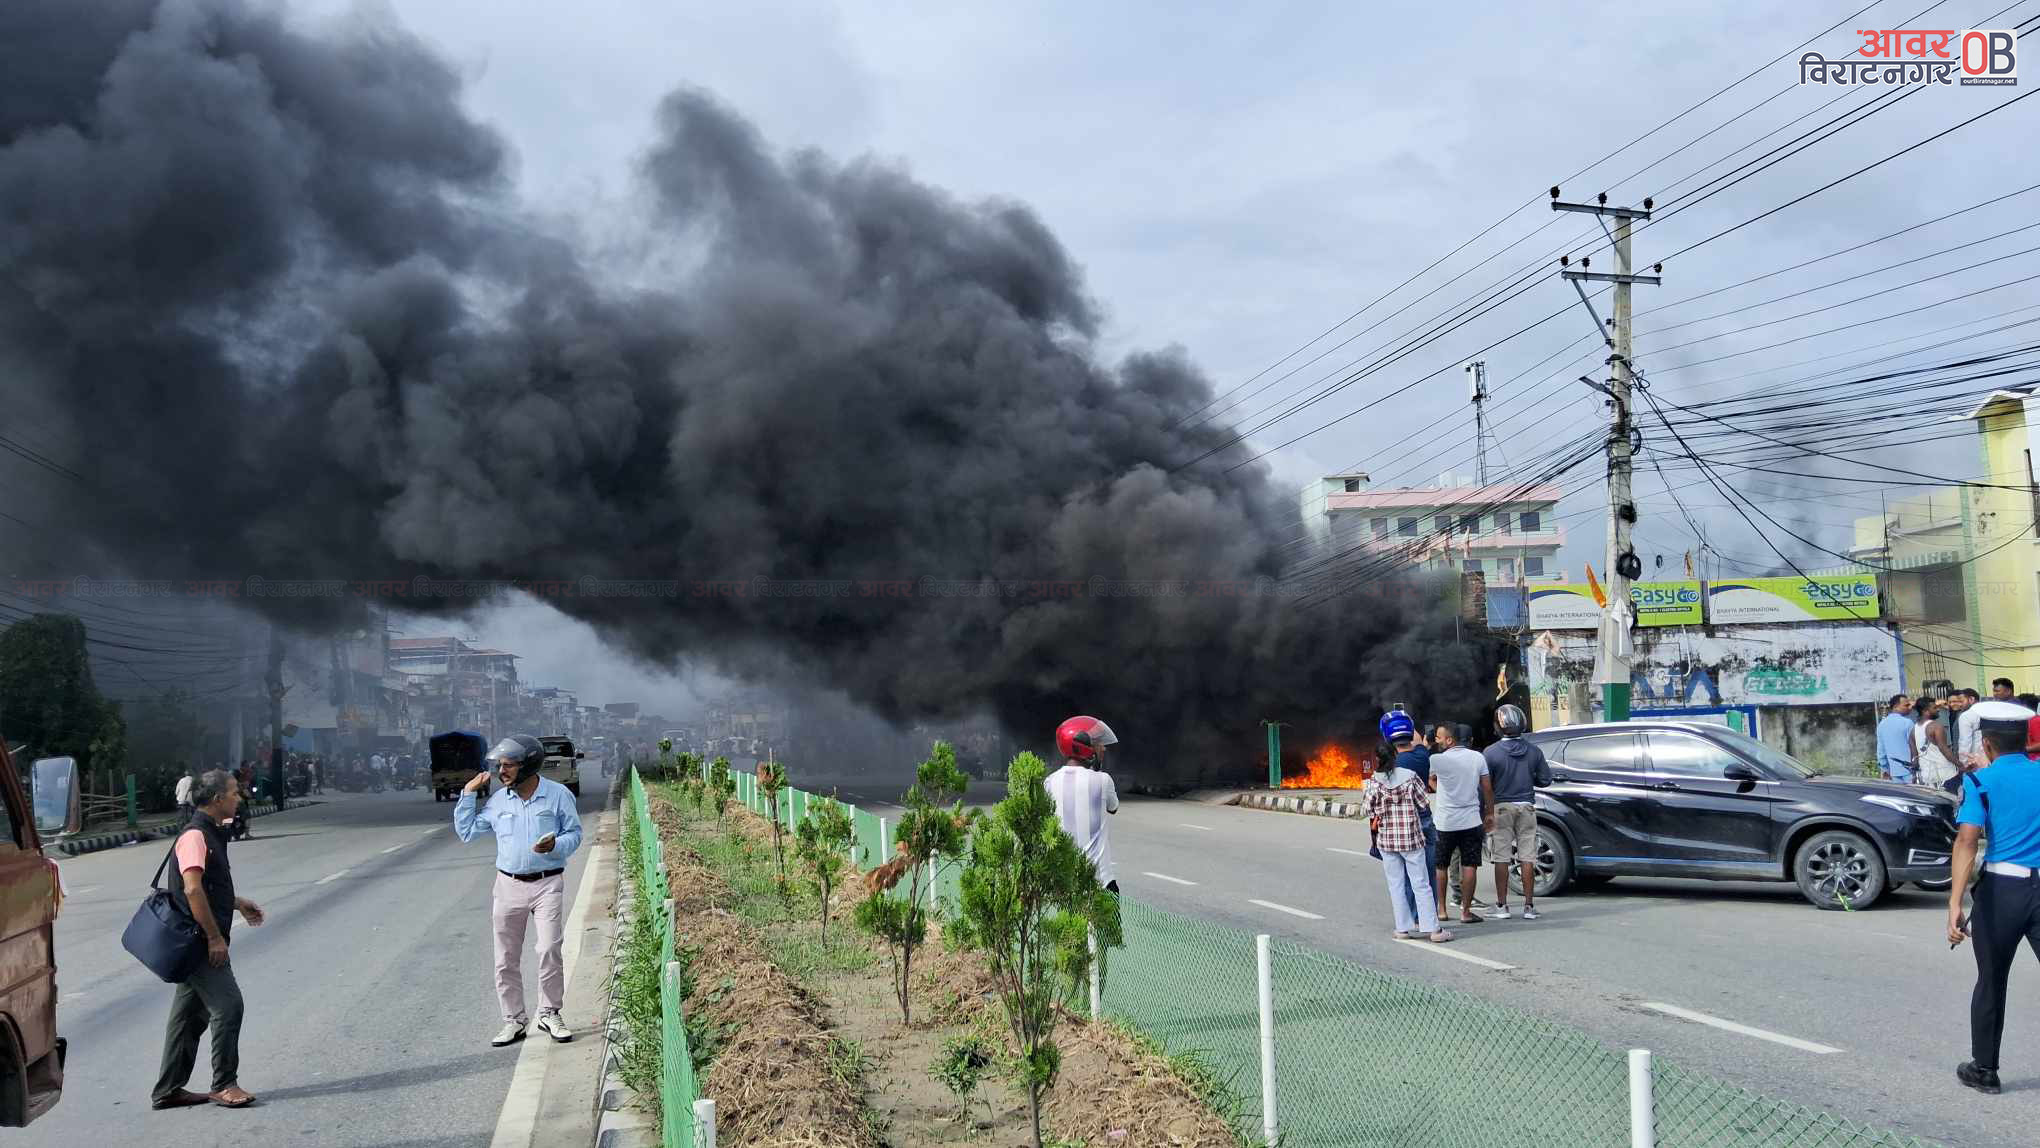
(31, 1053)
(1691, 799)
(562, 763)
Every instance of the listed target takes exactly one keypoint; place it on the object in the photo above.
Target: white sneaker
(550, 1024)
(511, 1034)
(1529, 912)
(1501, 913)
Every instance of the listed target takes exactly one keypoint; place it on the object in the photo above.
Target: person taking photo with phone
(537, 829)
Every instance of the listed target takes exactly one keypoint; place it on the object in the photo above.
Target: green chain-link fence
(1364, 1058)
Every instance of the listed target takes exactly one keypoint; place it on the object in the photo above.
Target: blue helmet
(1395, 724)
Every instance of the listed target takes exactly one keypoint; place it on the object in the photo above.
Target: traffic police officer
(2001, 801)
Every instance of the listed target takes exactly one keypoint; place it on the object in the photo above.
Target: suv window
(1687, 755)
(1607, 752)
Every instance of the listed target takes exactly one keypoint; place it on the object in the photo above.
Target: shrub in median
(1029, 899)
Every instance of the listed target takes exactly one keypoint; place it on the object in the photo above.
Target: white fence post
(704, 1123)
(1264, 972)
(671, 935)
(1097, 985)
(1642, 1110)
(884, 841)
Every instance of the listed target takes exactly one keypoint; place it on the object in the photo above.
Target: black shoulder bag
(162, 936)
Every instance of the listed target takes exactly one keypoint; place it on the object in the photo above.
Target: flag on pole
(1594, 585)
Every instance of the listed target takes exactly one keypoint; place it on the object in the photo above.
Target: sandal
(1441, 936)
(234, 1097)
(182, 1098)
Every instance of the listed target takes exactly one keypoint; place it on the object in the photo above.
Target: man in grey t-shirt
(1463, 811)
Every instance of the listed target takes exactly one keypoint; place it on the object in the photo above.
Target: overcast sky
(1235, 179)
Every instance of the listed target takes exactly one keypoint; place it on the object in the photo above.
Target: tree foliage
(48, 699)
(820, 842)
(933, 825)
(721, 784)
(771, 781)
(1030, 898)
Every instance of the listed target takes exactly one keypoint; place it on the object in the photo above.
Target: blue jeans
(1430, 865)
(1899, 770)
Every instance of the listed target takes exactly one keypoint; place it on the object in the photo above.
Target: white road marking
(332, 877)
(1445, 950)
(1166, 877)
(1285, 909)
(69, 997)
(1745, 1030)
(1187, 825)
(393, 848)
(1348, 852)
(518, 1122)
(82, 892)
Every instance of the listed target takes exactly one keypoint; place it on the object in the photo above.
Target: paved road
(1881, 986)
(370, 1002)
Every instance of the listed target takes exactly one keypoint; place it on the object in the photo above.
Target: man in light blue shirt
(1894, 740)
(536, 828)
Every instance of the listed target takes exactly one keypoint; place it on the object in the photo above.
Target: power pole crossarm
(1611, 665)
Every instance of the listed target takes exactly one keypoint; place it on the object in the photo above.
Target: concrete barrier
(1310, 806)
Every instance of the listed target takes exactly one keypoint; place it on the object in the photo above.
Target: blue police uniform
(2003, 799)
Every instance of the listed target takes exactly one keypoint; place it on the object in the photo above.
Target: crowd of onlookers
(1924, 740)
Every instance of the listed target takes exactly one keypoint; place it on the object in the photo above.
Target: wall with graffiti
(1688, 668)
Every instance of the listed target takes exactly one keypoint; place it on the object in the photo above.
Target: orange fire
(1332, 768)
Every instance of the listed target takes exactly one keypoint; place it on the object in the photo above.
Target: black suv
(1691, 799)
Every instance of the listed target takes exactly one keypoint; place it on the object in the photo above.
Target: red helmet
(1080, 738)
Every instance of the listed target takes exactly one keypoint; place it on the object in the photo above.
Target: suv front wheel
(1838, 869)
(1554, 864)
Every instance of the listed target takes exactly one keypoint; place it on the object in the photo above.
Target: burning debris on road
(1332, 768)
(270, 300)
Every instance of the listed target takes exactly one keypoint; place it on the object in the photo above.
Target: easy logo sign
(1568, 606)
(1823, 598)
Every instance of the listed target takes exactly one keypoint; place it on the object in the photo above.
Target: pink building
(1503, 530)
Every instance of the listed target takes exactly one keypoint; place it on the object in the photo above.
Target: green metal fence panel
(1693, 1111)
(677, 1088)
(1450, 1053)
(1367, 1059)
(866, 832)
(1190, 985)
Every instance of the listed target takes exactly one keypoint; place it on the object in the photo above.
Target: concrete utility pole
(1477, 372)
(1611, 664)
(276, 692)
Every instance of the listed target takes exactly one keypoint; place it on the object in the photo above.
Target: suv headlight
(1903, 804)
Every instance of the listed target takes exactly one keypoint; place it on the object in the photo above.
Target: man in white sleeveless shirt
(1083, 792)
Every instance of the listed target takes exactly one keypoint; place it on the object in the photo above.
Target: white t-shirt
(376, 763)
(184, 790)
(1082, 799)
(1458, 772)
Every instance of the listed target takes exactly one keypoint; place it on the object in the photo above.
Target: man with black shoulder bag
(2001, 801)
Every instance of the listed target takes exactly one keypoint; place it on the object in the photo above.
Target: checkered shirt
(1395, 811)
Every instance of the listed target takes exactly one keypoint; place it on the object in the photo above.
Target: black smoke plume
(266, 295)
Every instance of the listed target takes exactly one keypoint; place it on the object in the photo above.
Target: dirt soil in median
(770, 1077)
(771, 1080)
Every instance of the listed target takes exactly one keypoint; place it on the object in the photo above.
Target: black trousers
(2006, 911)
(209, 998)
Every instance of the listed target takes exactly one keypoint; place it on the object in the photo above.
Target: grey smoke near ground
(265, 290)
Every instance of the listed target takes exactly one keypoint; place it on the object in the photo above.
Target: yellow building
(1961, 564)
